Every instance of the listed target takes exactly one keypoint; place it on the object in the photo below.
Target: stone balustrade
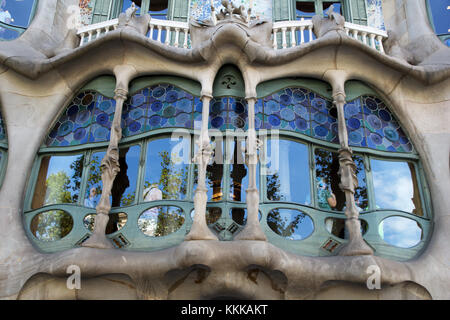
(286, 34)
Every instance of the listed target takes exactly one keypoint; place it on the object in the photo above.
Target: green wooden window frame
(130, 237)
(354, 11)
(104, 10)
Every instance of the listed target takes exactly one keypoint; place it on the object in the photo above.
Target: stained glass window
(159, 106)
(368, 119)
(87, 119)
(228, 113)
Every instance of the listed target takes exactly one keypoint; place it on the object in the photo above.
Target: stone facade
(41, 71)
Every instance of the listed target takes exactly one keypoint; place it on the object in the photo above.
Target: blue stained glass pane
(355, 123)
(381, 130)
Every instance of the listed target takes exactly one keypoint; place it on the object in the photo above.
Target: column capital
(120, 93)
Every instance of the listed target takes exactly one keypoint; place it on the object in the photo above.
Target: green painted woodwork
(229, 82)
(179, 10)
(102, 11)
(281, 10)
(190, 86)
(104, 85)
(268, 87)
(355, 11)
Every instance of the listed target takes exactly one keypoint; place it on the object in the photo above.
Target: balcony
(285, 34)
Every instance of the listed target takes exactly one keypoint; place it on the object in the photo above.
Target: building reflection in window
(167, 167)
(396, 186)
(239, 174)
(287, 171)
(58, 181)
(329, 194)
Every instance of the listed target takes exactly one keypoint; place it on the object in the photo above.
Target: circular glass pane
(400, 231)
(212, 215)
(336, 226)
(239, 215)
(161, 221)
(51, 225)
(116, 222)
(290, 223)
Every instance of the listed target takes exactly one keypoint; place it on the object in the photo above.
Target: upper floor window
(15, 16)
(307, 9)
(439, 13)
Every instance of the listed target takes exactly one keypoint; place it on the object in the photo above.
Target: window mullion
(85, 175)
(142, 167)
(369, 183)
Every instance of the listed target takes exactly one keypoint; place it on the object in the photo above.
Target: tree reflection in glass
(58, 180)
(51, 225)
(167, 168)
(289, 223)
(287, 171)
(396, 186)
(328, 179)
(161, 221)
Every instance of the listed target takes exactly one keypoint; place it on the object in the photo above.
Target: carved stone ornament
(334, 22)
(137, 23)
(231, 22)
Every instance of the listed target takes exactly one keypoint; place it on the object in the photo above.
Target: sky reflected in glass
(400, 232)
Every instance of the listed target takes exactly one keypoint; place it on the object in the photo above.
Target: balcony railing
(285, 34)
(169, 32)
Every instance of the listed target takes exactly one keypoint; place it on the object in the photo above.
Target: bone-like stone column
(347, 171)
(110, 163)
(252, 229)
(199, 229)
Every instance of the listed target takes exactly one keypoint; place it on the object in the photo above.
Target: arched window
(439, 15)
(15, 16)
(302, 207)
(302, 199)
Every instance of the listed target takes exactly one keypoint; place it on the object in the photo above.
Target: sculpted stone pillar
(110, 163)
(252, 230)
(347, 171)
(199, 229)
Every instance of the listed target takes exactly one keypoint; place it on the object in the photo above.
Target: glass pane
(51, 225)
(212, 215)
(94, 182)
(214, 171)
(329, 194)
(336, 226)
(124, 188)
(158, 9)
(287, 171)
(291, 224)
(305, 10)
(396, 186)
(115, 223)
(8, 34)
(166, 169)
(127, 4)
(441, 15)
(15, 12)
(58, 181)
(239, 172)
(161, 221)
(239, 215)
(400, 232)
(336, 7)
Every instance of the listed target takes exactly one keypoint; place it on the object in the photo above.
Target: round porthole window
(400, 231)
(51, 225)
(212, 215)
(161, 220)
(290, 223)
(336, 226)
(116, 222)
